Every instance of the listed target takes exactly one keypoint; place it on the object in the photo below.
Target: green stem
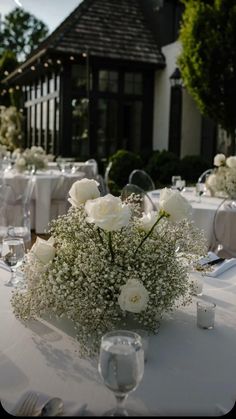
(110, 246)
(162, 214)
(100, 236)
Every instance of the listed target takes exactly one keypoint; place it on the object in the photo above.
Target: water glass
(13, 251)
(174, 179)
(205, 314)
(121, 366)
(200, 190)
(180, 184)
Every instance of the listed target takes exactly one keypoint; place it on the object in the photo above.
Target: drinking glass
(174, 179)
(180, 184)
(13, 251)
(200, 189)
(121, 366)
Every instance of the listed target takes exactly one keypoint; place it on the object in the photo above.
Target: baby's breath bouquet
(31, 158)
(106, 263)
(222, 181)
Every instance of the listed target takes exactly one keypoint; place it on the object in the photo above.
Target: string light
(32, 67)
(6, 73)
(45, 64)
(72, 58)
(58, 61)
(17, 87)
(19, 70)
(84, 55)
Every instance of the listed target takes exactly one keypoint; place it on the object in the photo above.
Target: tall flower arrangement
(104, 263)
(223, 179)
(11, 129)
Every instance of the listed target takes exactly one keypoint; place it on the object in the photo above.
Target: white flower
(108, 213)
(82, 190)
(44, 250)
(133, 296)
(212, 181)
(174, 204)
(231, 162)
(219, 160)
(147, 221)
(21, 162)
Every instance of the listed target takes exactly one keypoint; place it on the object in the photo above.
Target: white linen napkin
(222, 267)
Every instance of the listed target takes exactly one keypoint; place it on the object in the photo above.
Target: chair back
(15, 209)
(106, 176)
(140, 196)
(224, 230)
(94, 164)
(142, 179)
(202, 177)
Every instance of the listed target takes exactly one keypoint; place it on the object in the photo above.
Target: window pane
(80, 126)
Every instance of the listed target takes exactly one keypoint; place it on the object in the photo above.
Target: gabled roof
(115, 29)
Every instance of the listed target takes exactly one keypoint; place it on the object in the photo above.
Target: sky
(51, 12)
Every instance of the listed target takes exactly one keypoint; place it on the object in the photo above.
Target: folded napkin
(222, 267)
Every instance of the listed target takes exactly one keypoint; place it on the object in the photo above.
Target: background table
(189, 371)
(203, 212)
(49, 197)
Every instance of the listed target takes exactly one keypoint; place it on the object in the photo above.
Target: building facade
(101, 82)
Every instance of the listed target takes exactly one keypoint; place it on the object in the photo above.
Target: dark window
(133, 84)
(108, 81)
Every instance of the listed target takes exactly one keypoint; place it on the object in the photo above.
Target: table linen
(203, 214)
(49, 196)
(189, 371)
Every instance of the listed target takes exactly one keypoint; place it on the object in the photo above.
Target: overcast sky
(51, 12)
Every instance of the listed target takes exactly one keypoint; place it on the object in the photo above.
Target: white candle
(205, 315)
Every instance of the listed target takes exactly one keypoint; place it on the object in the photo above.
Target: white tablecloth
(189, 371)
(203, 213)
(49, 197)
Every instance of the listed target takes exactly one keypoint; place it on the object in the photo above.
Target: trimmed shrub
(162, 165)
(191, 167)
(123, 162)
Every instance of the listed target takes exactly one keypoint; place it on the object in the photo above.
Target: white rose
(212, 181)
(108, 213)
(219, 160)
(172, 202)
(44, 250)
(133, 296)
(147, 221)
(21, 162)
(231, 162)
(82, 190)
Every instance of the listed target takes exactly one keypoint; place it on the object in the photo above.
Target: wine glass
(200, 189)
(13, 251)
(121, 366)
(180, 184)
(174, 179)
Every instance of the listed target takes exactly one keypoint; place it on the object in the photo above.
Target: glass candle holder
(205, 314)
(196, 278)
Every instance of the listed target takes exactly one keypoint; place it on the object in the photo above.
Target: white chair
(94, 164)
(141, 197)
(224, 230)
(141, 179)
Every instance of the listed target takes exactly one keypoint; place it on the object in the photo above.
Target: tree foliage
(8, 63)
(22, 32)
(208, 59)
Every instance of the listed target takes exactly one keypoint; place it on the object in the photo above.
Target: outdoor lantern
(175, 78)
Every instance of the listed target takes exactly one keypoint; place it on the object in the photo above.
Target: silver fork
(27, 408)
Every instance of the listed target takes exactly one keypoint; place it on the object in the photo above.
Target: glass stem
(120, 405)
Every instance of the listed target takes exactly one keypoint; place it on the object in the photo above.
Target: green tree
(208, 59)
(22, 32)
(8, 63)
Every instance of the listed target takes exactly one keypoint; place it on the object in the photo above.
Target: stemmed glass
(121, 366)
(180, 184)
(13, 251)
(174, 179)
(200, 189)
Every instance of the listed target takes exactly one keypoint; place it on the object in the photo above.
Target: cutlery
(27, 408)
(52, 407)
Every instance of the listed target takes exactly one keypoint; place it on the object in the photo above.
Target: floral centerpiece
(222, 181)
(105, 262)
(11, 127)
(34, 158)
